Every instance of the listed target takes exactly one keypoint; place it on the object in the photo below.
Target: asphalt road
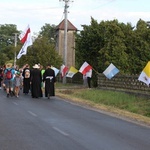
(55, 124)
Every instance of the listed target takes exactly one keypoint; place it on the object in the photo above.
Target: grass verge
(122, 104)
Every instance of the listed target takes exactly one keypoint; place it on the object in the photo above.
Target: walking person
(26, 79)
(42, 72)
(9, 73)
(49, 79)
(18, 82)
(36, 79)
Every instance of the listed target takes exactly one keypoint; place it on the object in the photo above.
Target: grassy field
(104, 99)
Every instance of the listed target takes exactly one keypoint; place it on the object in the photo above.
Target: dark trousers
(1, 81)
(89, 82)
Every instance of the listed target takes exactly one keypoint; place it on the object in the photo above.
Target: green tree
(7, 39)
(43, 49)
(142, 45)
(43, 52)
(125, 46)
(48, 31)
(114, 48)
(88, 44)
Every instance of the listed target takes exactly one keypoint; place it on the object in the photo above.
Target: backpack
(9, 74)
(27, 73)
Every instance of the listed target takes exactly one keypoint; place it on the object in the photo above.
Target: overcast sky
(38, 12)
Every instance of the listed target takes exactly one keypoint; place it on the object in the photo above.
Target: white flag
(24, 34)
(110, 71)
(25, 37)
(145, 74)
(55, 70)
(72, 71)
(64, 70)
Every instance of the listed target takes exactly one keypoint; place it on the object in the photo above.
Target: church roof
(70, 26)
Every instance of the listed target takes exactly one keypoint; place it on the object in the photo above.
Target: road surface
(55, 124)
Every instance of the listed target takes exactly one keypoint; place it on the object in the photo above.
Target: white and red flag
(85, 68)
(24, 34)
(64, 70)
(26, 39)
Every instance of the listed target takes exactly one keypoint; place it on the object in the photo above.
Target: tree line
(124, 45)
(127, 47)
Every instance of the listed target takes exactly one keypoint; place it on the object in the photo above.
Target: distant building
(71, 30)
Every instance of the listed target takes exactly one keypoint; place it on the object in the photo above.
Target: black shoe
(11, 94)
(48, 96)
(7, 95)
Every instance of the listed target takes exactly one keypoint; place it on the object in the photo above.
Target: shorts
(9, 83)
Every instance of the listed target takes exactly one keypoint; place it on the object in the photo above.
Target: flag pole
(15, 49)
(95, 71)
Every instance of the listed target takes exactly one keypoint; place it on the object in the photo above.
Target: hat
(8, 65)
(36, 66)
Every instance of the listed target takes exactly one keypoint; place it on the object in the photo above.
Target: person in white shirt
(88, 75)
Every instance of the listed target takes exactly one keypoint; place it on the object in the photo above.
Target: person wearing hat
(49, 79)
(9, 73)
(36, 80)
(18, 82)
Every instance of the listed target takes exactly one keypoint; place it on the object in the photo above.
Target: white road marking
(15, 103)
(33, 114)
(60, 131)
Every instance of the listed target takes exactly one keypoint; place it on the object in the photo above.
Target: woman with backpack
(9, 73)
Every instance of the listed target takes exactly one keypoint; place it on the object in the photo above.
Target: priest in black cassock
(49, 79)
(36, 80)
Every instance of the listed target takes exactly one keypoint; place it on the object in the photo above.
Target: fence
(76, 79)
(127, 83)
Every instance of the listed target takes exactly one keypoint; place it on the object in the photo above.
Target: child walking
(18, 82)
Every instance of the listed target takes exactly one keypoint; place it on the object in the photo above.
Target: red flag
(24, 35)
(64, 70)
(85, 68)
(26, 39)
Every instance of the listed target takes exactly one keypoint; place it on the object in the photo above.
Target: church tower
(71, 30)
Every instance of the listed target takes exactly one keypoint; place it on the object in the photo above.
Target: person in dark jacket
(26, 79)
(36, 80)
(49, 79)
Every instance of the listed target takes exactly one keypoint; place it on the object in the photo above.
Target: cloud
(80, 12)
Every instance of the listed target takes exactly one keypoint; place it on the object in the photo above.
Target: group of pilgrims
(29, 80)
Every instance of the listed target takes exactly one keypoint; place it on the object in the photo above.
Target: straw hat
(36, 66)
(9, 65)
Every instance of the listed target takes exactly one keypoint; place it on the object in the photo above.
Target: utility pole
(65, 34)
(15, 49)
